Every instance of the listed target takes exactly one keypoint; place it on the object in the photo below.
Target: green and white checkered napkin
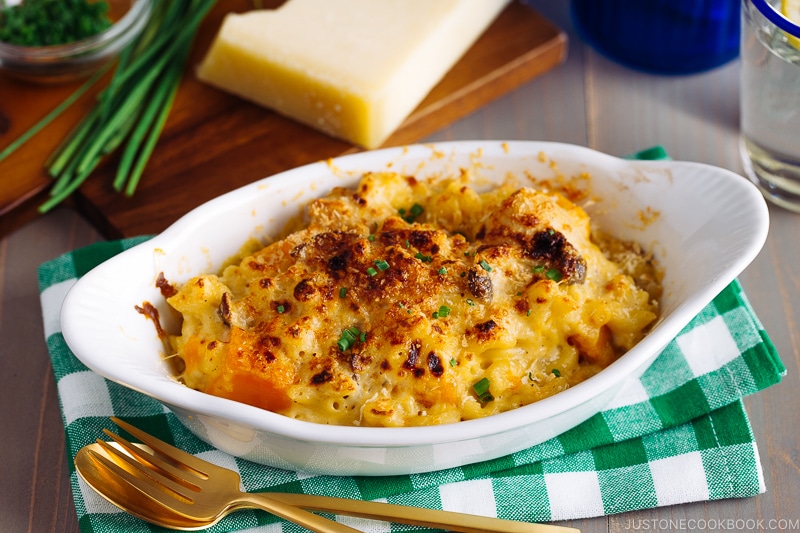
(678, 434)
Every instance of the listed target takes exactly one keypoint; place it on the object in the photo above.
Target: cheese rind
(354, 69)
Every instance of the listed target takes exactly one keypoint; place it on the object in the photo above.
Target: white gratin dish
(704, 224)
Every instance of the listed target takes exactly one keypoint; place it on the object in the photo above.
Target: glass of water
(770, 101)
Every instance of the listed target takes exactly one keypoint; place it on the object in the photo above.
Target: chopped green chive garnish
(371, 271)
(444, 311)
(538, 269)
(408, 244)
(348, 338)
(381, 264)
(556, 372)
(554, 274)
(443, 271)
(481, 389)
(453, 362)
(470, 301)
(342, 292)
(528, 313)
(481, 386)
(371, 237)
(485, 265)
(422, 257)
(281, 309)
(410, 215)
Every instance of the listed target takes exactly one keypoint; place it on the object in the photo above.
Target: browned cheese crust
(397, 303)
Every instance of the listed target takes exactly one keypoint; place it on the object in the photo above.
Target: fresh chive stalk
(132, 109)
(52, 115)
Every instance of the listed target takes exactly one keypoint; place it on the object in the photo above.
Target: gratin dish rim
(174, 394)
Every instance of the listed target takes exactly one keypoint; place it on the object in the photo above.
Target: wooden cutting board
(214, 142)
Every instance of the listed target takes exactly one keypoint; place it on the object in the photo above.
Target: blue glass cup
(661, 36)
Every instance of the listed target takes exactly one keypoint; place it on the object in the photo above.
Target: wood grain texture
(23, 179)
(214, 142)
(35, 493)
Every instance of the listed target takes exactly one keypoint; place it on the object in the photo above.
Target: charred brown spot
(486, 327)
(422, 240)
(339, 262)
(148, 310)
(166, 288)
(413, 355)
(479, 284)
(481, 233)
(224, 309)
(272, 341)
(393, 237)
(401, 268)
(255, 265)
(385, 365)
(263, 346)
(552, 248)
(522, 305)
(435, 364)
(321, 377)
(332, 248)
(304, 291)
(484, 330)
(418, 372)
(211, 345)
(265, 283)
(381, 412)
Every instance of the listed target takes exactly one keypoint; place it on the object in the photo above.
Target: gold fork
(169, 487)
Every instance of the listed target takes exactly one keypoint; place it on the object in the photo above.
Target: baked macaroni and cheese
(406, 302)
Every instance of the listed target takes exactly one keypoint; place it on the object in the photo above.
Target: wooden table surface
(587, 101)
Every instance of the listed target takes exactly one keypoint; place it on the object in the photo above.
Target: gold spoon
(120, 493)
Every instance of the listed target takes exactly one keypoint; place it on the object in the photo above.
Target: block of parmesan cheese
(354, 69)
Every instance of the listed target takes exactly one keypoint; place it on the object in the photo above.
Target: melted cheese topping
(406, 303)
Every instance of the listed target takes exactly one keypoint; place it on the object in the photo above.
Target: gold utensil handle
(417, 516)
(296, 514)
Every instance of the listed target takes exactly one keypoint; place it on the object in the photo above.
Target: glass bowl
(71, 61)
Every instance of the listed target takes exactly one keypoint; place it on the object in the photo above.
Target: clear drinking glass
(770, 101)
